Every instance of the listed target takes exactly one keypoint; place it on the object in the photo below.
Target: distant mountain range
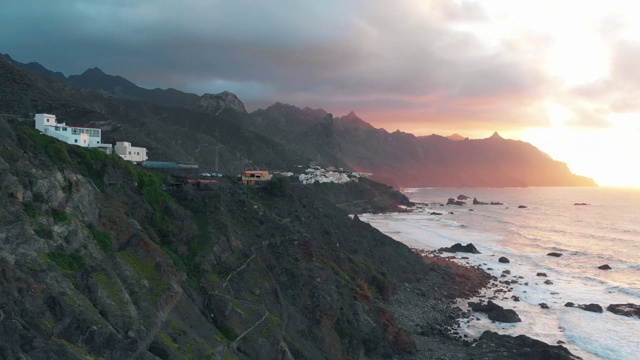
(175, 125)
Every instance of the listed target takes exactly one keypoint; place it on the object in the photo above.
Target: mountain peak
(496, 136)
(216, 103)
(94, 71)
(456, 137)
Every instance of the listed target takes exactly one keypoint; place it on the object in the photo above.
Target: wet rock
(469, 248)
(435, 213)
(625, 309)
(543, 305)
(507, 272)
(524, 346)
(541, 274)
(452, 201)
(604, 267)
(591, 307)
(462, 197)
(554, 254)
(496, 312)
(569, 304)
(548, 282)
(522, 207)
(503, 260)
(580, 204)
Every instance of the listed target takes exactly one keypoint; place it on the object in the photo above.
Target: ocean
(605, 231)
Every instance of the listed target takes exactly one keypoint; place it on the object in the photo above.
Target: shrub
(102, 238)
(30, 209)
(71, 262)
(59, 215)
(279, 186)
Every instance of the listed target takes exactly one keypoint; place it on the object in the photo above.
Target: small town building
(131, 153)
(255, 177)
(85, 136)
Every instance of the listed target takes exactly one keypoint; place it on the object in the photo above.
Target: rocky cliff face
(216, 103)
(97, 260)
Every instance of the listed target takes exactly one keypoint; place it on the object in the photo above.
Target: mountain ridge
(304, 134)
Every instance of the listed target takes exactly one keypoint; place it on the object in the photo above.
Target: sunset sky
(563, 75)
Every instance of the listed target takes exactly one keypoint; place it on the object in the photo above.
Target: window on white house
(76, 140)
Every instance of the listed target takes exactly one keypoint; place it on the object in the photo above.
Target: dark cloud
(331, 54)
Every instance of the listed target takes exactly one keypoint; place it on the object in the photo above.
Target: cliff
(98, 260)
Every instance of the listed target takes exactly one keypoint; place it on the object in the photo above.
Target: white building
(84, 136)
(131, 153)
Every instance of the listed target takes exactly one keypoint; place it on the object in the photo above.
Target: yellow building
(254, 177)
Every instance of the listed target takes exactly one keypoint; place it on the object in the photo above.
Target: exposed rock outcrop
(631, 310)
(457, 247)
(496, 312)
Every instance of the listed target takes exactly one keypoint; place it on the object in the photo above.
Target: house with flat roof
(131, 153)
(85, 136)
(255, 177)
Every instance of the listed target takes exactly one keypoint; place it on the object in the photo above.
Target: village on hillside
(91, 137)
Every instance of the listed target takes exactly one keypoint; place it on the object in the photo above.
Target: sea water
(605, 231)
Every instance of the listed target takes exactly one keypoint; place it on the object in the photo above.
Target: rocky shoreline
(468, 282)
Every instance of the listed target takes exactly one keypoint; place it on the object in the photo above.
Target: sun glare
(600, 154)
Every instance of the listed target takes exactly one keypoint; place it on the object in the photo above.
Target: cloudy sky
(563, 75)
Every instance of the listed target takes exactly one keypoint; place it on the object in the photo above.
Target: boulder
(503, 260)
(548, 282)
(496, 312)
(455, 248)
(462, 197)
(543, 305)
(452, 201)
(604, 267)
(554, 254)
(569, 304)
(522, 207)
(591, 307)
(523, 347)
(541, 274)
(476, 202)
(625, 309)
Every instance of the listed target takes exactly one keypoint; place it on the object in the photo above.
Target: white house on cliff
(84, 136)
(131, 153)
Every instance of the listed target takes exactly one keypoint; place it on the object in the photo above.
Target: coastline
(434, 325)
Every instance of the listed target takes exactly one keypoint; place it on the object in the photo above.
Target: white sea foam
(587, 236)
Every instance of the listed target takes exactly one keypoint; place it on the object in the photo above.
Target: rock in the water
(462, 197)
(625, 309)
(522, 207)
(548, 282)
(541, 274)
(469, 248)
(507, 272)
(580, 203)
(476, 202)
(554, 254)
(503, 260)
(569, 304)
(604, 267)
(543, 305)
(527, 348)
(591, 307)
(452, 201)
(496, 312)
(435, 213)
